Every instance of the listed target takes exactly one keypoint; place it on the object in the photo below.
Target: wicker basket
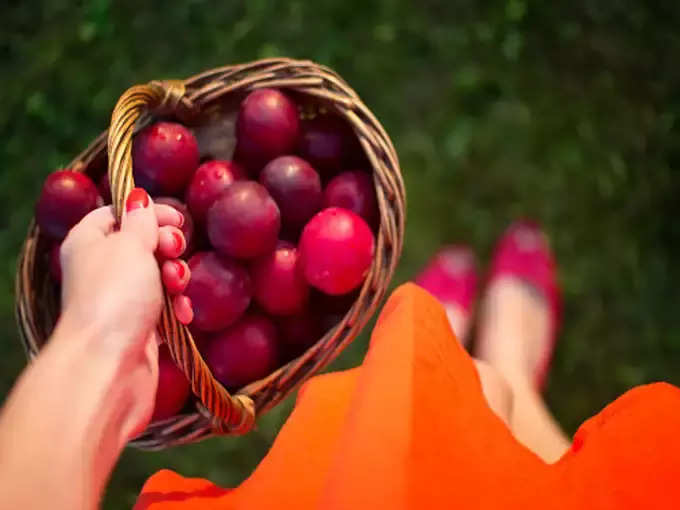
(206, 99)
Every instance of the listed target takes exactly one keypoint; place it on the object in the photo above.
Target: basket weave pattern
(218, 412)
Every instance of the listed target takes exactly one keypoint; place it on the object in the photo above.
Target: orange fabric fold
(410, 428)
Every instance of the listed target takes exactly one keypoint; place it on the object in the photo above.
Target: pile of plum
(278, 239)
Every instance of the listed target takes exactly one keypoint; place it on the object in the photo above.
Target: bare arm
(93, 386)
(65, 423)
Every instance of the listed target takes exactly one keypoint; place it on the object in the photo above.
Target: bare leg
(513, 331)
(496, 389)
(459, 320)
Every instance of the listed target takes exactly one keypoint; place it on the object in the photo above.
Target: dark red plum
(165, 156)
(279, 286)
(354, 191)
(244, 222)
(173, 388)
(324, 141)
(208, 183)
(104, 188)
(296, 188)
(267, 126)
(220, 290)
(65, 199)
(245, 352)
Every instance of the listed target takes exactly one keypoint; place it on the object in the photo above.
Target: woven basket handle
(230, 414)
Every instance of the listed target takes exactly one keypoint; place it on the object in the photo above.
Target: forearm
(77, 408)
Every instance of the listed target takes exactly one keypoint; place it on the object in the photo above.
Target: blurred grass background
(561, 111)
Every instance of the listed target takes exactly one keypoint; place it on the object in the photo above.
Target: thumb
(139, 219)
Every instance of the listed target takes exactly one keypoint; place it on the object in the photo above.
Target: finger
(168, 215)
(139, 219)
(95, 225)
(182, 307)
(175, 274)
(171, 242)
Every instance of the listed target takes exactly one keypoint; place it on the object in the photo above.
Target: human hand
(112, 290)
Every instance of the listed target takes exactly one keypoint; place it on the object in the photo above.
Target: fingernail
(187, 300)
(190, 306)
(181, 219)
(183, 303)
(181, 270)
(137, 199)
(178, 240)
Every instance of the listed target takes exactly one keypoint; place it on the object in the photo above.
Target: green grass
(562, 111)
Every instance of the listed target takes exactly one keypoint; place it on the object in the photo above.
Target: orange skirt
(410, 428)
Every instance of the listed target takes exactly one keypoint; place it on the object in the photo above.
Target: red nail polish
(181, 270)
(178, 240)
(137, 199)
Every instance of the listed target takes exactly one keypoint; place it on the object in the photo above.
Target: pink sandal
(451, 277)
(523, 252)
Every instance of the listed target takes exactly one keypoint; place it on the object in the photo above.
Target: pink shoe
(451, 277)
(523, 252)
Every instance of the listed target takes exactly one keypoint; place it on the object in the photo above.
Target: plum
(324, 142)
(296, 188)
(279, 286)
(336, 250)
(208, 183)
(65, 199)
(164, 157)
(244, 222)
(173, 387)
(267, 126)
(245, 352)
(220, 290)
(354, 191)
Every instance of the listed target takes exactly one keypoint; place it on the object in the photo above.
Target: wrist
(90, 338)
(85, 367)
(99, 369)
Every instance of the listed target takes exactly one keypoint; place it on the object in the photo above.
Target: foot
(514, 328)
(520, 312)
(451, 277)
